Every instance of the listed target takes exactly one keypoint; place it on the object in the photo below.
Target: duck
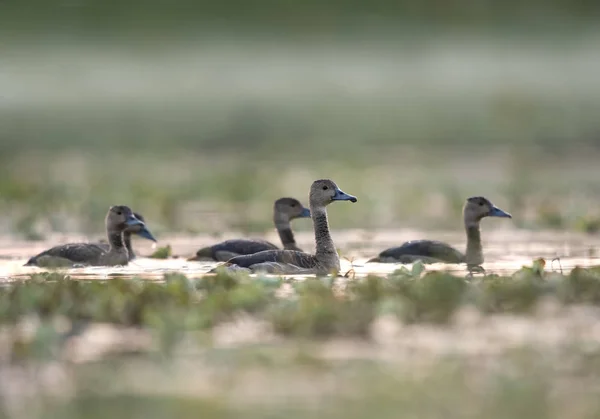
(326, 259)
(431, 251)
(119, 220)
(284, 211)
(140, 230)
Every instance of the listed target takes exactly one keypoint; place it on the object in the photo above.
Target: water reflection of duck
(119, 220)
(284, 211)
(431, 251)
(324, 261)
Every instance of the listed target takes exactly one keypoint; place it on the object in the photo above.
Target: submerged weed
(514, 295)
(318, 311)
(589, 225)
(223, 279)
(582, 286)
(162, 252)
(312, 308)
(432, 298)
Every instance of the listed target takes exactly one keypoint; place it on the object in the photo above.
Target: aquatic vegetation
(318, 310)
(180, 319)
(314, 307)
(164, 252)
(589, 225)
(548, 216)
(581, 286)
(506, 295)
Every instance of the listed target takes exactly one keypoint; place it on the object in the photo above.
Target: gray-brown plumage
(325, 261)
(430, 251)
(118, 219)
(284, 211)
(140, 230)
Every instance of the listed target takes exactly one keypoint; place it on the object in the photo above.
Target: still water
(505, 251)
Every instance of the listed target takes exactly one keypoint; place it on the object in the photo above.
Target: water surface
(505, 252)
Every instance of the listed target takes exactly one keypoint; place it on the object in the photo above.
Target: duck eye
(481, 203)
(325, 188)
(119, 213)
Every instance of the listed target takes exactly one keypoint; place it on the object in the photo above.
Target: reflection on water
(505, 252)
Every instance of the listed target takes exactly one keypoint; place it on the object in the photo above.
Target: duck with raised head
(431, 251)
(284, 211)
(137, 229)
(118, 220)
(325, 261)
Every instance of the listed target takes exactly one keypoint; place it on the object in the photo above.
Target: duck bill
(497, 212)
(305, 213)
(343, 196)
(138, 227)
(145, 233)
(133, 222)
(139, 217)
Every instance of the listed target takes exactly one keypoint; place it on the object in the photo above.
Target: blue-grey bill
(145, 233)
(305, 213)
(497, 212)
(343, 196)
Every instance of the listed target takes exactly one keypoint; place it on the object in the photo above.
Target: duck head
(324, 191)
(478, 207)
(122, 218)
(287, 209)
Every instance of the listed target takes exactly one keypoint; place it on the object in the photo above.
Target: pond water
(505, 252)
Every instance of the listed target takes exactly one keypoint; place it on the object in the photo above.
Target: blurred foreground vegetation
(321, 307)
(424, 343)
(318, 307)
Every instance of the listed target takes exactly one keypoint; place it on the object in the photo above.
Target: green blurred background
(199, 114)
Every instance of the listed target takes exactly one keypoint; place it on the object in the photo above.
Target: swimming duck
(284, 211)
(431, 251)
(129, 231)
(118, 219)
(325, 261)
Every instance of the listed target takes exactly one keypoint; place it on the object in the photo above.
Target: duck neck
(286, 235)
(323, 240)
(284, 229)
(127, 243)
(115, 241)
(474, 253)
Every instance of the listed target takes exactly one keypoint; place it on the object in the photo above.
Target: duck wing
(74, 252)
(290, 257)
(428, 251)
(229, 248)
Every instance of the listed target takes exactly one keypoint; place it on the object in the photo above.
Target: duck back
(427, 251)
(292, 257)
(68, 254)
(228, 249)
